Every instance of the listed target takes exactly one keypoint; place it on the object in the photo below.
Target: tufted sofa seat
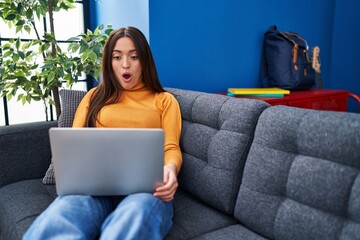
(302, 176)
(215, 140)
(250, 171)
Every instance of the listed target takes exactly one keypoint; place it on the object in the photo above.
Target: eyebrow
(118, 51)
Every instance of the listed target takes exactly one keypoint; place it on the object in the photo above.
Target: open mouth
(126, 76)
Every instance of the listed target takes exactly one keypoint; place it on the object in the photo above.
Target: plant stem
(46, 110)
(55, 89)
(38, 36)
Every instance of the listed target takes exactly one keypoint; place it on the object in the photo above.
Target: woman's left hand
(167, 191)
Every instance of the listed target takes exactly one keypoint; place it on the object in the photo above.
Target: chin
(126, 86)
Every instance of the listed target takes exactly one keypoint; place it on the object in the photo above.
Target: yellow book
(245, 91)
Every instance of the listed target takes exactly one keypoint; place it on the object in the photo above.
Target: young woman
(129, 95)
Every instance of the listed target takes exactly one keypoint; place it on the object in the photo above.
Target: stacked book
(258, 92)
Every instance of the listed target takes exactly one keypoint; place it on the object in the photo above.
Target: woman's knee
(145, 204)
(82, 203)
(73, 201)
(141, 200)
(143, 214)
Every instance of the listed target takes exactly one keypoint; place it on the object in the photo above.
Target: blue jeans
(136, 216)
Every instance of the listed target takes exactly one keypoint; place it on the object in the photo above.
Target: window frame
(88, 80)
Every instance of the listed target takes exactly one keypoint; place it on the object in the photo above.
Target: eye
(134, 57)
(116, 57)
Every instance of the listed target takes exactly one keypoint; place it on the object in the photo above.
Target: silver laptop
(107, 161)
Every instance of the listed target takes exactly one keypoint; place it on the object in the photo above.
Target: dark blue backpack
(286, 61)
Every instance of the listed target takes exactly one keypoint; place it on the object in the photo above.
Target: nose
(125, 63)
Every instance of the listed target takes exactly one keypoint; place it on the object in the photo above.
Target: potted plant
(37, 80)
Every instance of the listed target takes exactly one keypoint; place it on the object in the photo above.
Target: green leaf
(73, 39)
(7, 53)
(49, 37)
(73, 47)
(20, 8)
(68, 64)
(27, 29)
(15, 57)
(29, 13)
(18, 42)
(2, 70)
(21, 54)
(26, 45)
(47, 66)
(37, 41)
(36, 98)
(96, 49)
(19, 74)
(23, 100)
(43, 3)
(6, 46)
(96, 74)
(38, 12)
(84, 56)
(10, 17)
(20, 22)
(93, 57)
(51, 77)
(11, 67)
(18, 29)
(28, 53)
(28, 98)
(97, 31)
(108, 31)
(83, 48)
(9, 96)
(20, 79)
(68, 77)
(44, 47)
(60, 72)
(20, 96)
(58, 49)
(61, 57)
(35, 66)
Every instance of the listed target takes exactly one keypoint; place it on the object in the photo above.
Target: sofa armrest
(24, 151)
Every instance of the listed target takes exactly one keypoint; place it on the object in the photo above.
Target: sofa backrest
(301, 179)
(217, 132)
(24, 151)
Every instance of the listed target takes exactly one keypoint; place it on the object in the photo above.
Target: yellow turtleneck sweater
(141, 108)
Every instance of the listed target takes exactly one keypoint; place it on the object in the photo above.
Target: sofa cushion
(20, 204)
(236, 231)
(193, 218)
(70, 100)
(216, 135)
(301, 179)
(25, 151)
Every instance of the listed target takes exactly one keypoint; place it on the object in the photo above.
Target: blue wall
(210, 45)
(345, 64)
(121, 13)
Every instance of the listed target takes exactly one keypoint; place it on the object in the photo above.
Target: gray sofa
(250, 171)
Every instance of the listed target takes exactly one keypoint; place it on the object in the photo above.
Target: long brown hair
(109, 90)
